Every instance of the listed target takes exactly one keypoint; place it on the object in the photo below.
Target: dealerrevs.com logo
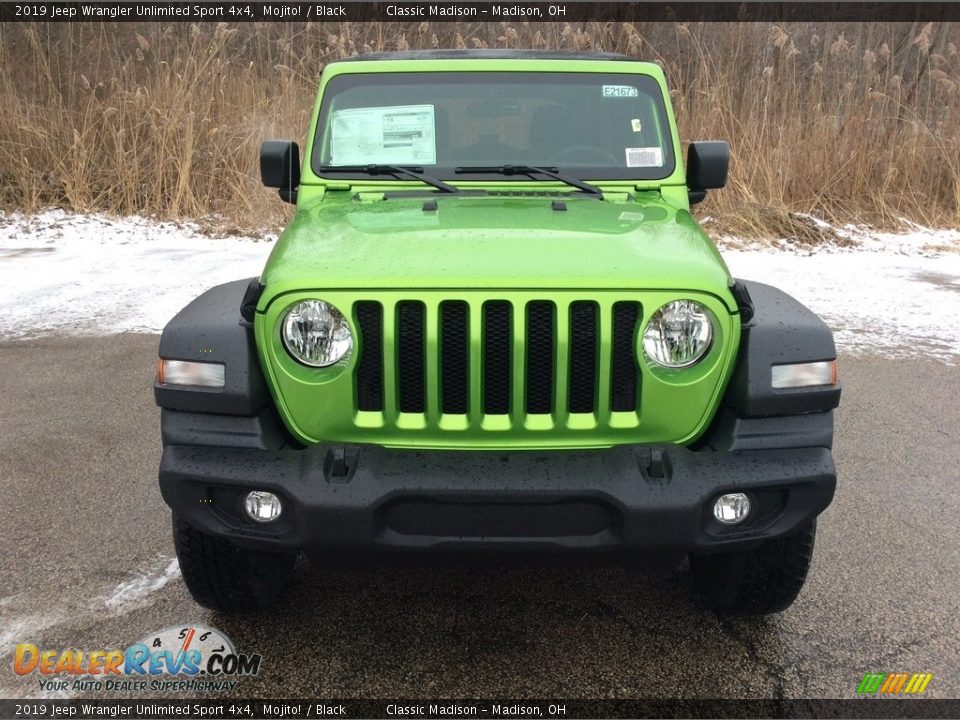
(897, 683)
(192, 658)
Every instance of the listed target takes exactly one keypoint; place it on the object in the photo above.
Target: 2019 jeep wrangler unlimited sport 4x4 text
(494, 325)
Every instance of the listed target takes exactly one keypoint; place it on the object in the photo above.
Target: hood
(478, 242)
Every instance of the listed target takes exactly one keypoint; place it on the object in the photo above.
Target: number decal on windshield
(619, 91)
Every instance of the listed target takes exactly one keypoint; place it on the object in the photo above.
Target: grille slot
(411, 356)
(497, 342)
(454, 358)
(583, 357)
(540, 356)
(370, 366)
(624, 374)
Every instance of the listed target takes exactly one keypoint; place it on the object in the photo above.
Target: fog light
(262, 506)
(732, 508)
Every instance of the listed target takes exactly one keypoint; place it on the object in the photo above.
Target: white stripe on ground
(134, 593)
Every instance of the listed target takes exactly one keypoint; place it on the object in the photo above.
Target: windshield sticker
(399, 135)
(619, 91)
(644, 157)
(635, 124)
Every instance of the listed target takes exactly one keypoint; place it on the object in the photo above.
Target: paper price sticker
(399, 135)
(644, 157)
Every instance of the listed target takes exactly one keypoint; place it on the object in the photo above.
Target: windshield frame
(649, 84)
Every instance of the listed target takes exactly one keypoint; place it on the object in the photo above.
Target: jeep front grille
(497, 358)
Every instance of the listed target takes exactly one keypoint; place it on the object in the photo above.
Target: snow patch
(93, 275)
(127, 596)
(851, 237)
(893, 305)
(133, 593)
(895, 294)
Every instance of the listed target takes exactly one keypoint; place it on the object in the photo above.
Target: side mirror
(707, 166)
(280, 167)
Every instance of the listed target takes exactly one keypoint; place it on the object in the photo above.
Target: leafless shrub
(849, 122)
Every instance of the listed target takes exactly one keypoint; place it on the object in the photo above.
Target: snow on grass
(895, 294)
(90, 274)
(918, 239)
(875, 302)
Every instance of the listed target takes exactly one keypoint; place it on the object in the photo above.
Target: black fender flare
(780, 331)
(211, 329)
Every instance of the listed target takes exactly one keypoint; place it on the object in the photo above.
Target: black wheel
(225, 577)
(764, 580)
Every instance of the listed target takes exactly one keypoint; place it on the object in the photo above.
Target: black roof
(486, 54)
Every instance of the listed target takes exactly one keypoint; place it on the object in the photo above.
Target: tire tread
(225, 577)
(760, 581)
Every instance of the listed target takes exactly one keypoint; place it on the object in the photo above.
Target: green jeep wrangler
(494, 326)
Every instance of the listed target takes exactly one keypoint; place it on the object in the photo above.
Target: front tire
(225, 577)
(760, 581)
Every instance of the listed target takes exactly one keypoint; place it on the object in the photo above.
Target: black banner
(507, 709)
(445, 11)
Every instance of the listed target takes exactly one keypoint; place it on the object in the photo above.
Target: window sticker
(619, 91)
(635, 124)
(644, 157)
(399, 135)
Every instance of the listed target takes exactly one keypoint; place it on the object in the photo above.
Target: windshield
(588, 125)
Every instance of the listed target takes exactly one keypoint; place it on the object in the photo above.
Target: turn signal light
(804, 374)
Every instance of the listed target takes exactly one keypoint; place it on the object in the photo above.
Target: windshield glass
(588, 125)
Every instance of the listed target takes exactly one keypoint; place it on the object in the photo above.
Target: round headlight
(678, 335)
(316, 333)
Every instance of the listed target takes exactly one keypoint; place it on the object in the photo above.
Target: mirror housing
(280, 167)
(707, 165)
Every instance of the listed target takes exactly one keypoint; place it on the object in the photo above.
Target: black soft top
(486, 54)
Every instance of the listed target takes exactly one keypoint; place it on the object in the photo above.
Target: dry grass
(848, 122)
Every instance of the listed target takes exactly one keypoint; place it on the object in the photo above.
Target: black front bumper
(622, 499)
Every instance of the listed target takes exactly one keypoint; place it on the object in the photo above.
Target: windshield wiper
(532, 170)
(402, 170)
